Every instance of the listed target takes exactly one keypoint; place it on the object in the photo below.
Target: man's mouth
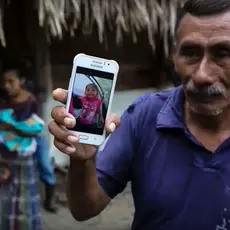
(203, 98)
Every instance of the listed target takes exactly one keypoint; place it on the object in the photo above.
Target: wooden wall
(139, 66)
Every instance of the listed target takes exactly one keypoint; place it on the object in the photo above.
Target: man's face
(11, 83)
(202, 58)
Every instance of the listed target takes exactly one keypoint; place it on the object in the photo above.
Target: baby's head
(91, 91)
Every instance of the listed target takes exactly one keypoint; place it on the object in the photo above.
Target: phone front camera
(108, 64)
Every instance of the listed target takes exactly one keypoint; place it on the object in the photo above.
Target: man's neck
(213, 123)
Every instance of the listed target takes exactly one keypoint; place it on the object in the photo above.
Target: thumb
(112, 122)
(112, 127)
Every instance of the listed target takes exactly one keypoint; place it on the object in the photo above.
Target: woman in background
(20, 200)
(45, 167)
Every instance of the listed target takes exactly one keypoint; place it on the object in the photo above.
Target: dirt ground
(117, 216)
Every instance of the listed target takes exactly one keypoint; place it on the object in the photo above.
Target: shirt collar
(172, 113)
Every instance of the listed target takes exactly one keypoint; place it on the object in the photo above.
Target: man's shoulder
(151, 102)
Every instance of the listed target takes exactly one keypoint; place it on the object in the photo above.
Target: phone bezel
(95, 63)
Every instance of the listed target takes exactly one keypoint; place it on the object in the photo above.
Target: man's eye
(190, 53)
(221, 54)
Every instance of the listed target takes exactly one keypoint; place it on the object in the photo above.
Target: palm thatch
(122, 16)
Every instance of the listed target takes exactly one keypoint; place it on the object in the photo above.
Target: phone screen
(90, 99)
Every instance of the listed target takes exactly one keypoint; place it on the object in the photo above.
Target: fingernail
(68, 121)
(112, 127)
(71, 116)
(72, 139)
(70, 149)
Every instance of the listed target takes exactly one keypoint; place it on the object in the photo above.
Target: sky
(81, 81)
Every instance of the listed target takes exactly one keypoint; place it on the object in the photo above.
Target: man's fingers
(112, 127)
(61, 117)
(113, 118)
(59, 132)
(112, 122)
(60, 95)
(64, 148)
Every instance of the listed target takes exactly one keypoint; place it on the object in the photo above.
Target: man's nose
(7, 87)
(204, 74)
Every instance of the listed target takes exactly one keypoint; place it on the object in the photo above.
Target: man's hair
(201, 8)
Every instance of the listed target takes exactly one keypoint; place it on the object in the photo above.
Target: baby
(23, 146)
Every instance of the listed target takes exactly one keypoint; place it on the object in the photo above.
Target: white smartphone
(90, 94)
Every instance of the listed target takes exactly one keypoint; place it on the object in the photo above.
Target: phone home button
(83, 137)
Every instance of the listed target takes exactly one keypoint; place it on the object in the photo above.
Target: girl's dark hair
(92, 85)
(201, 8)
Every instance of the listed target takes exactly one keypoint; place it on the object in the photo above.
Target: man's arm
(86, 198)
(93, 183)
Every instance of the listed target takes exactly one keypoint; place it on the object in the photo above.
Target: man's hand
(64, 140)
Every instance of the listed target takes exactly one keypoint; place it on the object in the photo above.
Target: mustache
(216, 89)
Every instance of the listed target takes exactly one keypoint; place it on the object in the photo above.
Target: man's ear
(23, 81)
(174, 53)
(174, 49)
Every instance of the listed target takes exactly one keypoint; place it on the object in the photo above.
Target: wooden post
(36, 37)
(43, 62)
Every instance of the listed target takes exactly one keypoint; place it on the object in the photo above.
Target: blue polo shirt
(177, 184)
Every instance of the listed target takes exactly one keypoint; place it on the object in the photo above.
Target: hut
(136, 33)
(49, 33)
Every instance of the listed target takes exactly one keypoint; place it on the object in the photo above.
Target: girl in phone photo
(87, 110)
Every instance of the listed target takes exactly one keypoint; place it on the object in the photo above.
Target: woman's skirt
(19, 197)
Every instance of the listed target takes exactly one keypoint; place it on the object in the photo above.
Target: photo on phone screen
(90, 99)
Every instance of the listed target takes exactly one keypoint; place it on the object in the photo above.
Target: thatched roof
(123, 16)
